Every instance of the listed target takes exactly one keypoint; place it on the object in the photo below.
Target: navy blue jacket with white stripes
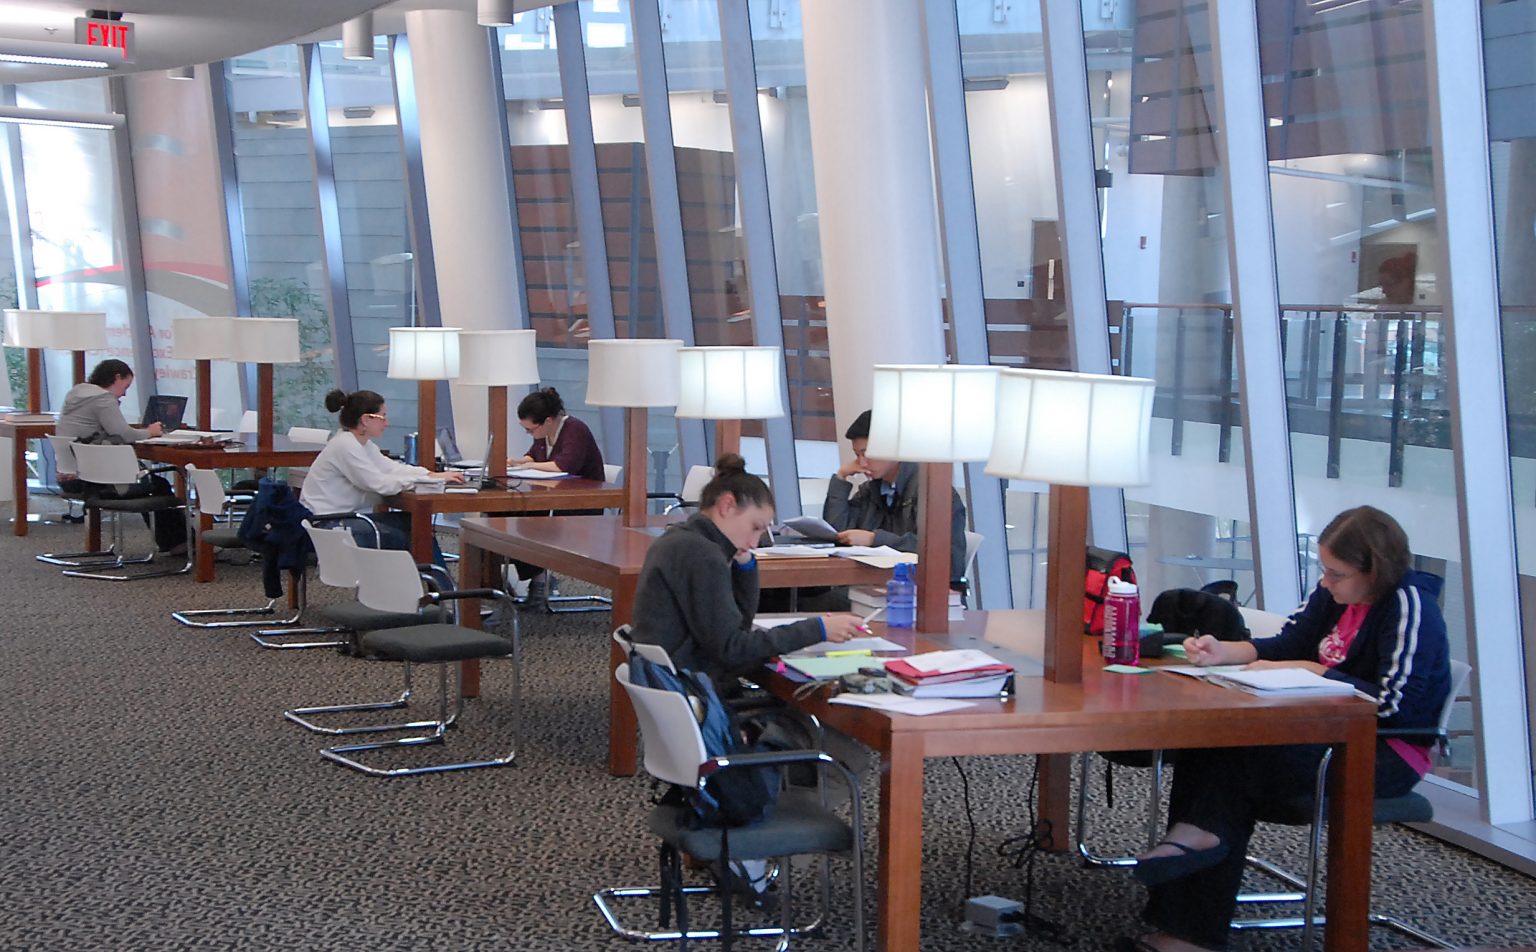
(1400, 656)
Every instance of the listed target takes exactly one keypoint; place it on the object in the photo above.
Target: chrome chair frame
(208, 493)
(64, 459)
(104, 470)
(264, 638)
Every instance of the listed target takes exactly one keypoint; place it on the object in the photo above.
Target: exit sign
(114, 35)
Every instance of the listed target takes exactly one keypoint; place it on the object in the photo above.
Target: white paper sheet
(948, 662)
(896, 704)
(852, 644)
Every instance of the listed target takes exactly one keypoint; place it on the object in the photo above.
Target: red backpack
(1103, 564)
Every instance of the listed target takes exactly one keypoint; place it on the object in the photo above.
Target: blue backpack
(739, 796)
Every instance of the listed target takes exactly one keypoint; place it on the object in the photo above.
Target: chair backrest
(693, 485)
(208, 489)
(973, 541)
(674, 748)
(107, 464)
(309, 434)
(613, 473)
(388, 580)
(1262, 624)
(335, 551)
(63, 454)
(1460, 671)
(248, 422)
(655, 654)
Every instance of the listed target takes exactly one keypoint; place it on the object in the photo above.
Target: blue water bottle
(901, 599)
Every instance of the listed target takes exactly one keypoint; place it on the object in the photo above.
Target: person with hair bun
(353, 475)
(698, 589)
(1373, 623)
(561, 443)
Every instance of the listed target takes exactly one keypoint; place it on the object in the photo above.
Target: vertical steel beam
(334, 292)
(134, 288)
(960, 245)
(234, 210)
(586, 199)
(519, 271)
(757, 229)
(1241, 145)
(1458, 124)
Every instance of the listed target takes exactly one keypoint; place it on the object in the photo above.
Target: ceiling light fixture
(68, 120)
(181, 72)
(357, 37)
(495, 12)
(46, 53)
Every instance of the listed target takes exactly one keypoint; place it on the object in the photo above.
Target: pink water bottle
(1122, 623)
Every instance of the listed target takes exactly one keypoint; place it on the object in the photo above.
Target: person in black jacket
(698, 589)
(1372, 622)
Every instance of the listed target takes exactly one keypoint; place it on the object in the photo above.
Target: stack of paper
(1281, 682)
(958, 673)
(535, 474)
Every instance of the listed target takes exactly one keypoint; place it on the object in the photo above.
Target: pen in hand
(864, 622)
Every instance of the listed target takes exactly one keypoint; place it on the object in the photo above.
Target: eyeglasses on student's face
(378, 416)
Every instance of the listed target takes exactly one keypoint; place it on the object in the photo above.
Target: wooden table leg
(203, 572)
(19, 482)
(92, 529)
(1351, 795)
(421, 543)
(1056, 800)
(901, 845)
(471, 575)
(623, 728)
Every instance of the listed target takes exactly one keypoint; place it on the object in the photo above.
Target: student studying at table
(353, 475)
(1372, 622)
(561, 443)
(698, 588)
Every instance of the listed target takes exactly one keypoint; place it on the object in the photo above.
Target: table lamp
(497, 359)
(728, 385)
(426, 355)
(1072, 431)
(265, 341)
(204, 340)
(78, 331)
(634, 374)
(936, 415)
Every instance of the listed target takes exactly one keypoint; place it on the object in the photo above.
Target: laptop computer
(165, 409)
(450, 450)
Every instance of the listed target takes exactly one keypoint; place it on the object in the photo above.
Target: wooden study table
(20, 433)
(244, 455)
(525, 496)
(1104, 712)
(601, 550)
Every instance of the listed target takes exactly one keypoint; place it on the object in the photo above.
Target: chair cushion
(1408, 808)
(359, 617)
(140, 504)
(429, 643)
(222, 538)
(798, 824)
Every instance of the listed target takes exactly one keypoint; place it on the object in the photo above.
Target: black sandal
(1165, 869)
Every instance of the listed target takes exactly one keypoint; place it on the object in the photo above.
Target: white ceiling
(171, 33)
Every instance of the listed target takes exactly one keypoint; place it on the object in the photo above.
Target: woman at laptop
(1373, 623)
(92, 413)
(561, 443)
(353, 475)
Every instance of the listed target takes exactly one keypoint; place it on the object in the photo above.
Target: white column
(464, 166)
(874, 190)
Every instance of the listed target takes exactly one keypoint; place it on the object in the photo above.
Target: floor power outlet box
(991, 915)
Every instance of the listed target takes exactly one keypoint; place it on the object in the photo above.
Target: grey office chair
(118, 465)
(210, 499)
(64, 464)
(800, 824)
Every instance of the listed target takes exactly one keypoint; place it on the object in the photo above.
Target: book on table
(1281, 682)
(812, 528)
(866, 598)
(963, 672)
(974, 687)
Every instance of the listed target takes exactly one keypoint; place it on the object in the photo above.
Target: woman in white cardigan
(352, 474)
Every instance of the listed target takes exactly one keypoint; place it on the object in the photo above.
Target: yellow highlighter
(849, 654)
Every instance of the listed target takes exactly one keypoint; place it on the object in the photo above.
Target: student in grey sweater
(91, 414)
(698, 588)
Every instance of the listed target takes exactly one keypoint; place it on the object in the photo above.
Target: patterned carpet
(154, 798)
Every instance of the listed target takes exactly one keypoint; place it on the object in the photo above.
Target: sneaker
(756, 882)
(538, 591)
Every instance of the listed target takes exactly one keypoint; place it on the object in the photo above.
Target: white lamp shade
(265, 340)
(57, 330)
(497, 358)
(941, 413)
(1073, 429)
(202, 338)
(729, 383)
(423, 353)
(632, 373)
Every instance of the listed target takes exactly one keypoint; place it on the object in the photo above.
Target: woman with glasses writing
(1372, 622)
(353, 475)
(561, 443)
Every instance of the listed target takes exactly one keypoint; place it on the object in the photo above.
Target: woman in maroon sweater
(561, 443)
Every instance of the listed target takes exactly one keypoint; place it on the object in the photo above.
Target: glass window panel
(1356, 235)
(15, 385)
(284, 251)
(181, 223)
(1164, 242)
(375, 234)
(779, 52)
